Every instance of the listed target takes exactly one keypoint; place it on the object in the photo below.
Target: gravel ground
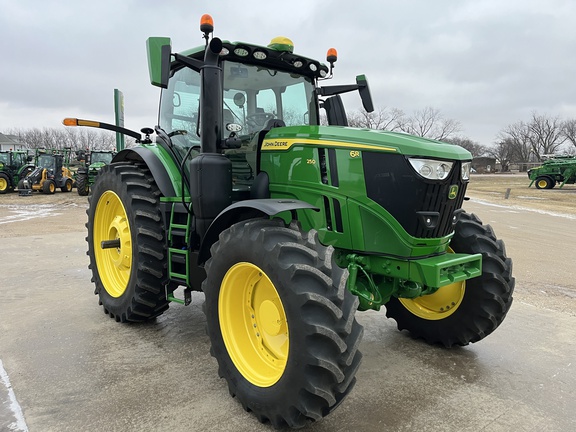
(513, 190)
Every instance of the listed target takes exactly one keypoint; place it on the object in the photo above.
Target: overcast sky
(485, 63)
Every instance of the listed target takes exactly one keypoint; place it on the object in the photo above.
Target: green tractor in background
(557, 169)
(14, 166)
(287, 226)
(93, 161)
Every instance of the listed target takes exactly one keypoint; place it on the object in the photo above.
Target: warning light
(332, 55)
(206, 24)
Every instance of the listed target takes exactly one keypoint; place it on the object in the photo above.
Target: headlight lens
(431, 169)
(466, 170)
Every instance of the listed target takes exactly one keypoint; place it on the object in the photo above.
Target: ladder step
(178, 226)
(178, 258)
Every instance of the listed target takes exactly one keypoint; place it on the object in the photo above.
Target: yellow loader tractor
(50, 173)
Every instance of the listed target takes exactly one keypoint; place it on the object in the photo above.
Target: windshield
(19, 158)
(47, 162)
(101, 157)
(253, 95)
(4, 158)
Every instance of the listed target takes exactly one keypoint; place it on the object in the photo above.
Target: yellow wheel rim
(439, 305)
(253, 324)
(111, 223)
(542, 184)
(3, 184)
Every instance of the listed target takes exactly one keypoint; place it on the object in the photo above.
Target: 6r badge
(453, 192)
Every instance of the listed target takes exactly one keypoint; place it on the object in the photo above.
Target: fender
(246, 210)
(153, 163)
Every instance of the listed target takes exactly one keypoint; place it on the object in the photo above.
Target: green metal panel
(170, 166)
(364, 139)
(291, 158)
(119, 117)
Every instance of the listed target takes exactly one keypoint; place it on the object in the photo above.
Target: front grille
(421, 206)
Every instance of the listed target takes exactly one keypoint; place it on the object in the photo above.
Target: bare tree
(517, 137)
(58, 139)
(381, 119)
(472, 146)
(569, 132)
(504, 151)
(545, 135)
(429, 123)
(531, 140)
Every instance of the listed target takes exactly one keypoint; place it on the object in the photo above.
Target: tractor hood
(97, 165)
(284, 138)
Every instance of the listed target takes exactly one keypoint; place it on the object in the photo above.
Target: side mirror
(159, 55)
(364, 91)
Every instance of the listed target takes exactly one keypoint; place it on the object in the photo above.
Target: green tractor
(14, 166)
(558, 169)
(93, 162)
(287, 226)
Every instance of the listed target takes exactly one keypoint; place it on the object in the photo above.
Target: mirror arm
(190, 62)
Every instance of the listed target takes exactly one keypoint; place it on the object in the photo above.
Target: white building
(11, 142)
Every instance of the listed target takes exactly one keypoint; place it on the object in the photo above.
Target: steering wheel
(258, 120)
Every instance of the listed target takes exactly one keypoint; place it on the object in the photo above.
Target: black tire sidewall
(111, 182)
(277, 393)
(5, 177)
(49, 187)
(548, 180)
(324, 336)
(82, 185)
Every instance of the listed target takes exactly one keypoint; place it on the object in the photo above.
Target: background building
(11, 142)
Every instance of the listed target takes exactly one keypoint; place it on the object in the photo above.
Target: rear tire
(281, 322)
(67, 186)
(130, 278)
(4, 183)
(466, 312)
(82, 185)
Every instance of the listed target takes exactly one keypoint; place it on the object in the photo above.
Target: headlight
(466, 170)
(431, 169)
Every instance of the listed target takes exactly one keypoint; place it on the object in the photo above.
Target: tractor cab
(254, 100)
(250, 90)
(4, 158)
(50, 163)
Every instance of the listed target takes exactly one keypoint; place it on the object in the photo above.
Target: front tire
(544, 182)
(281, 322)
(464, 312)
(82, 185)
(49, 187)
(129, 275)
